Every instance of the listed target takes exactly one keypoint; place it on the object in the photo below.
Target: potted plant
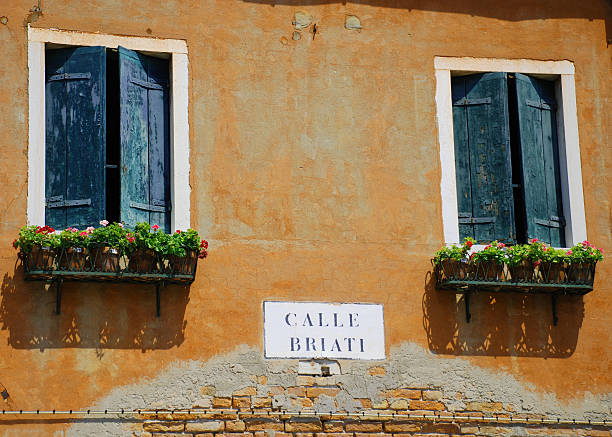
(145, 248)
(182, 250)
(581, 260)
(552, 265)
(107, 244)
(452, 260)
(73, 248)
(37, 246)
(489, 262)
(521, 268)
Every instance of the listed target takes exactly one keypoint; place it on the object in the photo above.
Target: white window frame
(567, 127)
(179, 113)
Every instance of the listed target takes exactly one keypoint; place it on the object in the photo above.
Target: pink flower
(120, 225)
(90, 229)
(84, 234)
(569, 252)
(74, 230)
(601, 250)
(155, 227)
(104, 222)
(501, 245)
(535, 240)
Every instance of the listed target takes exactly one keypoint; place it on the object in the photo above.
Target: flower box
(528, 268)
(111, 253)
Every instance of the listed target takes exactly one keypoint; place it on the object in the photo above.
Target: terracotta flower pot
(581, 272)
(551, 273)
(183, 265)
(73, 258)
(489, 271)
(105, 259)
(524, 272)
(41, 258)
(143, 261)
(454, 270)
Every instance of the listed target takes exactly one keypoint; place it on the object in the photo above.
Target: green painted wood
(482, 157)
(462, 159)
(540, 158)
(159, 142)
(75, 152)
(145, 139)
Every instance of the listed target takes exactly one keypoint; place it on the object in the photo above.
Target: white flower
(120, 225)
(104, 222)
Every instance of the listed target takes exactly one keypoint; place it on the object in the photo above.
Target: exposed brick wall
(405, 411)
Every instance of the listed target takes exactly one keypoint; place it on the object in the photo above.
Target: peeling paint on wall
(456, 383)
(352, 22)
(302, 20)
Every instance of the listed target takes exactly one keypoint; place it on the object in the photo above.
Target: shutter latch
(157, 206)
(540, 105)
(69, 76)
(465, 218)
(469, 102)
(554, 222)
(148, 85)
(59, 202)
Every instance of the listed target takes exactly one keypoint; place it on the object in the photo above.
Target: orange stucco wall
(315, 175)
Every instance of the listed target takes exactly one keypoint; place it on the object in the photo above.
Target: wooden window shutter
(536, 107)
(75, 105)
(145, 139)
(483, 157)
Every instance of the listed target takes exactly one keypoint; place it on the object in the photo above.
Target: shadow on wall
(93, 315)
(502, 324)
(518, 10)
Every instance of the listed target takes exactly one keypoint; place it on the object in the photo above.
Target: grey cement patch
(409, 365)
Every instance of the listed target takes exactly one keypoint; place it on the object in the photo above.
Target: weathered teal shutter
(540, 159)
(482, 157)
(145, 139)
(75, 105)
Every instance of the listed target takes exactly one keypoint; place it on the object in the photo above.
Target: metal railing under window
(106, 264)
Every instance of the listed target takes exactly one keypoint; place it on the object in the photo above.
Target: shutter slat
(134, 138)
(462, 161)
(145, 139)
(482, 156)
(540, 158)
(75, 136)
